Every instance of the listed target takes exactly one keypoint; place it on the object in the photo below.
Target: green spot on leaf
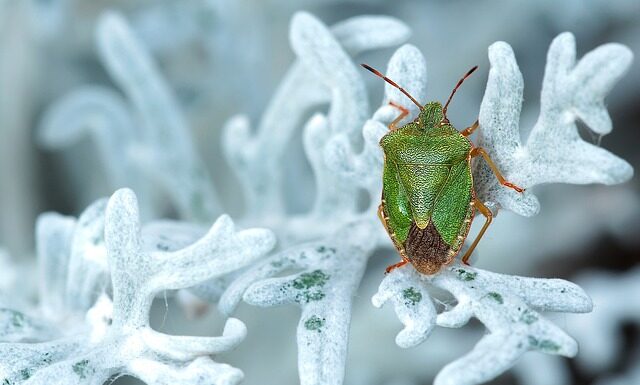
(544, 345)
(549, 345)
(496, 296)
(25, 373)
(528, 317)
(466, 275)
(314, 296)
(412, 296)
(310, 285)
(309, 280)
(81, 369)
(314, 323)
(307, 296)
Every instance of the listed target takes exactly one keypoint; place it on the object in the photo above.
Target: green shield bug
(428, 197)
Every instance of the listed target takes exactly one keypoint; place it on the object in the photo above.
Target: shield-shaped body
(427, 190)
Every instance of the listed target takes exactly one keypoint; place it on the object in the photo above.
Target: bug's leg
(469, 130)
(489, 216)
(381, 215)
(403, 112)
(391, 268)
(403, 255)
(480, 151)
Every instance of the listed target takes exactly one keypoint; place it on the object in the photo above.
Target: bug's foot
(513, 186)
(396, 105)
(391, 268)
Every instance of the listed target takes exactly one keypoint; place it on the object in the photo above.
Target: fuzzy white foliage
(508, 306)
(331, 272)
(145, 141)
(116, 337)
(87, 266)
(553, 151)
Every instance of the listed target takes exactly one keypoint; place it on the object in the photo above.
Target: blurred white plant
(9, 278)
(599, 333)
(630, 377)
(141, 140)
(115, 338)
(328, 247)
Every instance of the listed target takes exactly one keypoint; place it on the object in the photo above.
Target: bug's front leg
(484, 210)
(403, 112)
(480, 151)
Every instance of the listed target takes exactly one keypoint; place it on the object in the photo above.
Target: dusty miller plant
(91, 326)
(101, 272)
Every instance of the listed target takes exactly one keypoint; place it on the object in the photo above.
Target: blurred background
(222, 58)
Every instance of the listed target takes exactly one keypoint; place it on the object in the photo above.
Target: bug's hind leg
(402, 253)
(391, 268)
(403, 113)
(484, 210)
(469, 130)
(480, 151)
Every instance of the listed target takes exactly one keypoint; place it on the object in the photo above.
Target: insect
(428, 196)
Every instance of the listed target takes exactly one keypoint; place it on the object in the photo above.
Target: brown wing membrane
(426, 249)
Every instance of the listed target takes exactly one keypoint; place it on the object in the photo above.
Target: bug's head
(431, 115)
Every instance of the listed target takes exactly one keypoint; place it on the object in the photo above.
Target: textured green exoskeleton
(428, 199)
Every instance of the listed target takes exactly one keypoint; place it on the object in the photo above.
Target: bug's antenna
(386, 79)
(444, 110)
